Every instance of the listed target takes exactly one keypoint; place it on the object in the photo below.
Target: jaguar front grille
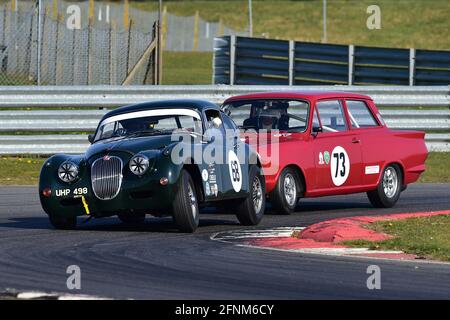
(106, 176)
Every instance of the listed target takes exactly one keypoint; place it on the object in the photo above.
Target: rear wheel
(131, 218)
(63, 223)
(285, 196)
(185, 206)
(389, 188)
(251, 210)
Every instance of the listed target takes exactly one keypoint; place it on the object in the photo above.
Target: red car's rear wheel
(389, 188)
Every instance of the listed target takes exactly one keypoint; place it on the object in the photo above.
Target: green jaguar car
(168, 158)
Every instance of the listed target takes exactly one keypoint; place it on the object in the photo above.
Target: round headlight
(139, 164)
(68, 171)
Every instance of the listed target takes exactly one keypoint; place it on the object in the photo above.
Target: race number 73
(340, 166)
(340, 160)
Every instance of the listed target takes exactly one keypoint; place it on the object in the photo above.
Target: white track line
(32, 295)
(283, 232)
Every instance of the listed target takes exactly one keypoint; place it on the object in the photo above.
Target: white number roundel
(234, 168)
(340, 166)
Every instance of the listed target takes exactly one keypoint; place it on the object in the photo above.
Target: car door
(225, 174)
(337, 149)
(235, 173)
(367, 128)
(212, 164)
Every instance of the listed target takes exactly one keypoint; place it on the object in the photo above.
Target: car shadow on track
(309, 206)
(112, 224)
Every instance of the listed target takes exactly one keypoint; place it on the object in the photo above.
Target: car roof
(304, 95)
(165, 104)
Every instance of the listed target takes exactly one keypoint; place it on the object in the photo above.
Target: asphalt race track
(154, 261)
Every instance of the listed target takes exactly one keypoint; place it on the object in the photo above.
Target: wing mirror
(91, 138)
(316, 130)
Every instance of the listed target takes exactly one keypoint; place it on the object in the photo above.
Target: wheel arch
(194, 171)
(300, 174)
(399, 165)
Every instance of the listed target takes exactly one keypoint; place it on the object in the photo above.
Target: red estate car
(327, 143)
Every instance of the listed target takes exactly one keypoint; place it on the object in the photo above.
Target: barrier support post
(232, 58)
(351, 64)
(412, 66)
(291, 61)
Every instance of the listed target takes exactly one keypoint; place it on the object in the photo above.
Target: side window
(360, 114)
(332, 116)
(210, 116)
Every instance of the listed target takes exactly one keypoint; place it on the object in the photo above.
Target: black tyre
(131, 218)
(285, 196)
(389, 188)
(185, 206)
(251, 210)
(63, 223)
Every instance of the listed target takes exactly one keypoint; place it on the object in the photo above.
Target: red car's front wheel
(285, 196)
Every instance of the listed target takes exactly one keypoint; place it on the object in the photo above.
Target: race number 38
(235, 171)
(340, 166)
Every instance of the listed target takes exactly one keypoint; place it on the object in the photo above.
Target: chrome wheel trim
(257, 195)
(192, 200)
(290, 189)
(390, 182)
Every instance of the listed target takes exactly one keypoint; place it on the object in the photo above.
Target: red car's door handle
(356, 140)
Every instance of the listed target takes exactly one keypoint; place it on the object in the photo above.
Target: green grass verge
(427, 237)
(187, 68)
(438, 168)
(404, 23)
(25, 170)
(20, 171)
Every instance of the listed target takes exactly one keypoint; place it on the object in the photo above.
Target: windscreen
(152, 122)
(269, 114)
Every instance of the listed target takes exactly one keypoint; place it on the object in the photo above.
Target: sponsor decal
(340, 166)
(321, 158)
(214, 189)
(235, 171)
(326, 156)
(372, 169)
(205, 175)
(207, 189)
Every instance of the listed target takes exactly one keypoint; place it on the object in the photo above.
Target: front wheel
(63, 223)
(251, 210)
(389, 188)
(285, 195)
(185, 206)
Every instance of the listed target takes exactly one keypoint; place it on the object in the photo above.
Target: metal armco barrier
(115, 96)
(87, 120)
(250, 61)
(90, 99)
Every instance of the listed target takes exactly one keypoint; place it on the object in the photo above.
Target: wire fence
(187, 33)
(96, 53)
